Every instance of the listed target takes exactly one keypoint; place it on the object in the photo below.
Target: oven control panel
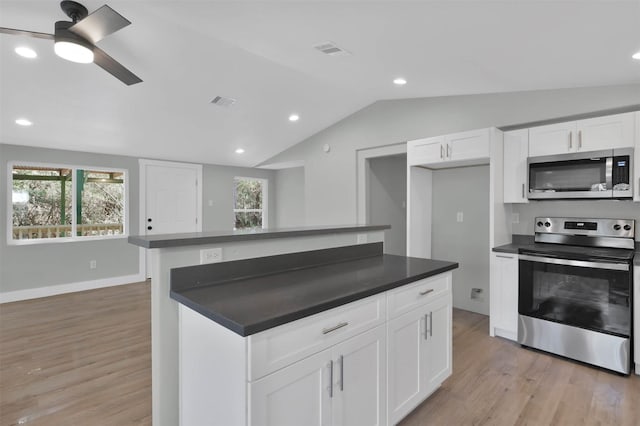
(620, 228)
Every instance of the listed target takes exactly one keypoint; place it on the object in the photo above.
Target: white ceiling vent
(330, 48)
(223, 102)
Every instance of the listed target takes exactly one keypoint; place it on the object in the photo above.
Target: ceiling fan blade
(114, 68)
(26, 33)
(99, 24)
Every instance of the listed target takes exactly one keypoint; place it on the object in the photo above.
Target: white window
(250, 203)
(66, 203)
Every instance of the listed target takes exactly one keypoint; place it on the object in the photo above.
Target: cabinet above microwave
(595, 174)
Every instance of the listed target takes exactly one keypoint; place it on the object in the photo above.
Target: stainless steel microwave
(596, 174)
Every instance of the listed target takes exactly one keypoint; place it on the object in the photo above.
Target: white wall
(289, 197)
(466, 190)
(35, 266)
(330, 179)
(387, 197)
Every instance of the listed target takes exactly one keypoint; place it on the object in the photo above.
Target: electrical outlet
(476, 294)
(212, 255)
(362, 238)
(460, 217)
(93, 264)
(515, 217)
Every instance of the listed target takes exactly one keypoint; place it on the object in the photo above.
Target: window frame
(73, 238)
(265, 203)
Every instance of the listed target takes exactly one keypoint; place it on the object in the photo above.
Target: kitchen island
(333, 336)
(180, 250)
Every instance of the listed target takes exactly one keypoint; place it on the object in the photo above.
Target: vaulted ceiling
(262, 54)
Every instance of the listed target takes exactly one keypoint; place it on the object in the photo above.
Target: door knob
(149, 228)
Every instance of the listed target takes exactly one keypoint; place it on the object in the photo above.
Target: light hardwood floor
(84, 359)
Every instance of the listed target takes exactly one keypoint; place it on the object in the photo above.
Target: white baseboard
(34, 293)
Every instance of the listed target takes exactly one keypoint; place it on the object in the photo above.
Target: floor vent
(223, 102)
(329, 48)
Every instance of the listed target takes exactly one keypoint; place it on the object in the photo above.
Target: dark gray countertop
(252, 304)
(215, 237)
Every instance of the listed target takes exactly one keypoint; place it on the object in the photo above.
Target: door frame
(363, 167)
(142, 198)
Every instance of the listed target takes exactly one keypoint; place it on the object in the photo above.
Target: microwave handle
(608, 173)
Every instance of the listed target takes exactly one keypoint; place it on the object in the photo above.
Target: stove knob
(547, 224)
(627, 227)
(617, 227)
(540, 223)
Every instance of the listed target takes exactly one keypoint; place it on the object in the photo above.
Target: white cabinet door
(359, 396)
(426, 151)
(516, 150)
(636, 325)
(406, 353)
(504, 295)
(612, 131)
(467, 145)
(636, 167)
(552, 139)
(296, 395)
(438, 340)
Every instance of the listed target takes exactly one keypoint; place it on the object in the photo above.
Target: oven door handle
(579, 263)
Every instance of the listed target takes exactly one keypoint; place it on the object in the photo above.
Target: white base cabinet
(419, 355)
(503, 320)
(636, 320)
(345, 366)
(343, 385)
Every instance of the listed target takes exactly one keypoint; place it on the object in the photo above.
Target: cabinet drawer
(407, 297)
(278, 347)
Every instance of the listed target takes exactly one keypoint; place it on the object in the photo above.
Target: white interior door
(171, 199)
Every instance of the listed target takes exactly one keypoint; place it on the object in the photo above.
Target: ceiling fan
(75, 40)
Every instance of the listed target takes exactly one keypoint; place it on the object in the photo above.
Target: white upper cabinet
(636, 167)
(552, 139)
(593, 134)
(458, 149)
(516, 149)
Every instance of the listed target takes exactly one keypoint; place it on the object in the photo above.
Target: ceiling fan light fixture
(74, 52)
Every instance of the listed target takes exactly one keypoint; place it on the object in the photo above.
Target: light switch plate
(515, 217)
(212, 255)
(460, 217)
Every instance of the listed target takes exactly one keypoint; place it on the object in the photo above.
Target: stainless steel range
(575, 290)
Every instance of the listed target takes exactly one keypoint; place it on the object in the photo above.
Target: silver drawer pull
(423, 293)
(334, 328)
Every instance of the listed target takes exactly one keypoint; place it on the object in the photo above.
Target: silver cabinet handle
(422, 293)
(431, 324)
(426, 329)
(579, 139)
(505, 257)
(341, 373)
(441, 152)
(523, 190)
(448, 154)
(334, 328)
(570, 140)
(330, 366)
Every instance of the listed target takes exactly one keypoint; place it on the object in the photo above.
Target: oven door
(592, 295)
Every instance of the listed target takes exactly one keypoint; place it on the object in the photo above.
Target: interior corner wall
(289, 197)
(330, 178)
(31, 266)
(463, 190)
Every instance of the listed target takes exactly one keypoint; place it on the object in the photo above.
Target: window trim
(73, 238)
(265, 201)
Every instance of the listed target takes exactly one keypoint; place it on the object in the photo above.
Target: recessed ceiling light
(26, 52)
(239, 151)
(294, 117)
(636, 55)
(23, 122)
(400, 81)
